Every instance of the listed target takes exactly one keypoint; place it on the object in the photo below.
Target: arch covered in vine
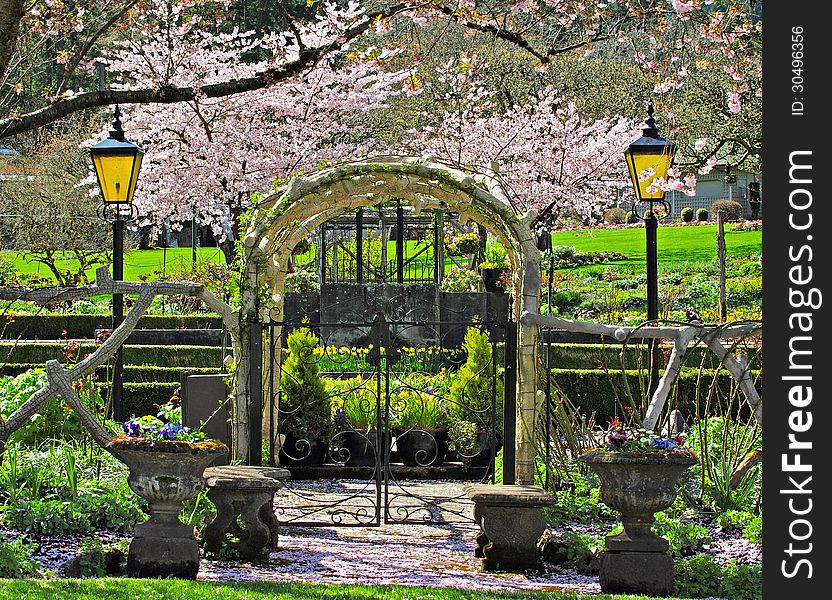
(294, 211)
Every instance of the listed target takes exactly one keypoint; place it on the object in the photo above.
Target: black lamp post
(117, 164)
(649, 158)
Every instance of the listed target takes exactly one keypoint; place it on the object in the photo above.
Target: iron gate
(382, 409)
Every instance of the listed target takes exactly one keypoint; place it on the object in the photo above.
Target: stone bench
(511, 522)
(248, 493)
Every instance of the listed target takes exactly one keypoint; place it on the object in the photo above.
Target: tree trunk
(11, 11)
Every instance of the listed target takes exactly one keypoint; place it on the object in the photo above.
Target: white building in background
(717, 186)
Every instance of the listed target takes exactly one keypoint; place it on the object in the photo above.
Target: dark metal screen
(383, 408)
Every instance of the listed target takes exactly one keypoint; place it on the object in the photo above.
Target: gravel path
(438, 555)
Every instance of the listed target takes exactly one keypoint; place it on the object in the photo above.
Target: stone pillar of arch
(296, 210)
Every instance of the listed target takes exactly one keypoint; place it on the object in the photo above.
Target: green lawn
(675, 244)
(136, 262)
(173, 589)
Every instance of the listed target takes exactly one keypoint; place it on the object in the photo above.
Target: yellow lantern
(117, 164)
(649, 158)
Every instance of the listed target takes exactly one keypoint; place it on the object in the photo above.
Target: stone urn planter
(165, 473)
(637, 485)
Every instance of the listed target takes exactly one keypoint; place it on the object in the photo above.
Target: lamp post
(649, 158)
(117, 163)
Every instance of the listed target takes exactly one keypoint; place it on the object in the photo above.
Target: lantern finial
(117, 133)
(650, 129)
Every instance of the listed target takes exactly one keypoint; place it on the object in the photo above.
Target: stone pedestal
(637, 484)
(165, 473)
(244, 497)
(648, 573)
(511, 522)
(163, 548)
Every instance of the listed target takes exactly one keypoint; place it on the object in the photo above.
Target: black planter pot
(423, 447)
(490, 279)
(300, 452)
(482, 458)
(354, 448)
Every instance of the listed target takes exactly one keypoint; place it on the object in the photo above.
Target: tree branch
(169, 94)
(82, 53)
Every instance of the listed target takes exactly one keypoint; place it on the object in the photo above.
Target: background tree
(50, 219)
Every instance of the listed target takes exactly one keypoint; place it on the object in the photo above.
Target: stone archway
(295, 210)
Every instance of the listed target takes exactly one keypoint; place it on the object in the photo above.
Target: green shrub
(702, 577)
(631, 217)
(53, 419)
(687, 214)
(744, 290)
(579, 503)
(473, 389)
(302, 280)
(743, 582)
(685, 537)
(702, 214)
(615, 216)
(564, 301)
(731, 209)
(304, 401)
(113, 512)
(697, 577)
(460, 280)
(16, 559)
(753, 530)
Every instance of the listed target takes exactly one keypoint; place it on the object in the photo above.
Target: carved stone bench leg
(508, 537)
(256, 528)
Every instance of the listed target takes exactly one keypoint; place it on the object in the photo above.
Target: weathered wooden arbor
(296, 210)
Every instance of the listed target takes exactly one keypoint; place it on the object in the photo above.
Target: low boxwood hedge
(142, 398)
(51, 327)
(585, 356)
(592, 390)
(132, 373)
(163, 356)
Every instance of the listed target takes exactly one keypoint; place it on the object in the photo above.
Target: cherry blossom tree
(553, 161)
(207, 156)
(699, 44)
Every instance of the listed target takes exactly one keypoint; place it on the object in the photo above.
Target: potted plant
(421, 423)
(640, 473)
(461, 244)
(354, 416)
(475, 403)
(304, 413)
(493, 269)
(166, 462)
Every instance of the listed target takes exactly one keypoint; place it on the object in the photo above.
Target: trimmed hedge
(162, 356)
(50, 327)
(592, 391)
(142, 398)
(586, 356)
(132, 373)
